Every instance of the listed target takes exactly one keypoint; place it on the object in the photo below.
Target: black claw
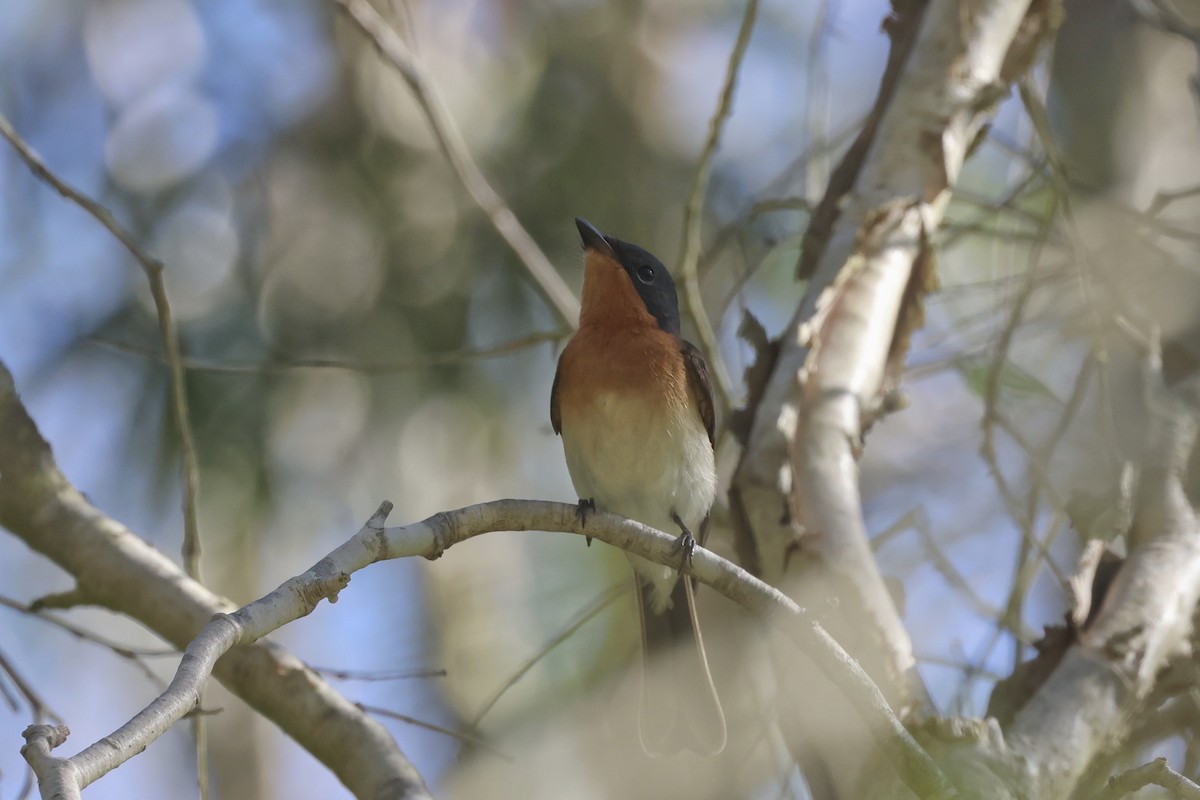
(582, 509)
(685, 543)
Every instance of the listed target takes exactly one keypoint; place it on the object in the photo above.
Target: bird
(633, 404)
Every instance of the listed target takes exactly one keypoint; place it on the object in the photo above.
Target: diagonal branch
(870, 261)
(167, 329)
(1145, 616)
(396, 51)
(1156, 773)
(119, 571)
(178, 386)
(693, 303)
(430, 538)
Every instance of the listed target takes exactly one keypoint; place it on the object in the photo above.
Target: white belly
(644, 461)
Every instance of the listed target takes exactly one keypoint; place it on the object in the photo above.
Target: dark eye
(646, 274)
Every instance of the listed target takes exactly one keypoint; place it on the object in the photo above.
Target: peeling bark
(839, 355)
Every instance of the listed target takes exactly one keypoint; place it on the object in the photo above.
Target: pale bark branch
(840, 354)
(870, 262)
(119, 571)
(177, 391)
(1158, 773)
(56, 778)
(116, 569)
(1087, 702)
(429, 538)
(396, 51)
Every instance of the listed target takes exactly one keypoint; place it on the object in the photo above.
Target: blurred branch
(816, 100)
(429, 726)
(1167, 18)
(693, 210)
(34, 700)
(1163, 199)
(170, 335)
(1156, 773)
(1035, 108)
(377, 675)
(363, 367)
(119, 571)
(430, 538)
(1091, 697)
(1024, 515)
(178, 386)
(396, 51)
(868, 256)
(135, 655)
(606, 599)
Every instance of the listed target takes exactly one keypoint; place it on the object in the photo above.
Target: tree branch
(284, 364)
(869, 256)
(431, 537)
(693, 302)
(178, 387)
(119, 571)
(396, 51)
(1158, 773)
(1087, 702)
(166, 324)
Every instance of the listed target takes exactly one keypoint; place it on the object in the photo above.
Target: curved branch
(546, 279)
(871, 264)
(430, 538)
(119, 571)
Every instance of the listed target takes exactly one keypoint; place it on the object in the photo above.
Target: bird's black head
(653, 282)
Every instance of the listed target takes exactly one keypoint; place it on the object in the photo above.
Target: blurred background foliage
(284, 174)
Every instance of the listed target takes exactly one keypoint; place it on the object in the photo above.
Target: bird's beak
(593, 239)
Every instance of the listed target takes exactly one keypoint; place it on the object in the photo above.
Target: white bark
(835, 354)
(1088, 702)
(842, 352)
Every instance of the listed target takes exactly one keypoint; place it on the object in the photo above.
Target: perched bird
(633, 403)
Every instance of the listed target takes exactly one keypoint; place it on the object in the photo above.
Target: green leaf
(1012, 380)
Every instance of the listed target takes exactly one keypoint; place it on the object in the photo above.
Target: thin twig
(364, 367)
(136, 655)
(154, 270)
(606, 598)
(693, 302)
(1163, 199)
(816, 101)
(10, 698)
(170, 335)
(429, 726)
(1023, 515)
(396, 51)
(1036, 110)
(34, 700)
(377, 675)
(300, 595)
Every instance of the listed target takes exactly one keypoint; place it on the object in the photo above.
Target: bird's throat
(609, 298)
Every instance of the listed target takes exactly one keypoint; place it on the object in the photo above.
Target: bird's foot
(582, 509)
(686, 543)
